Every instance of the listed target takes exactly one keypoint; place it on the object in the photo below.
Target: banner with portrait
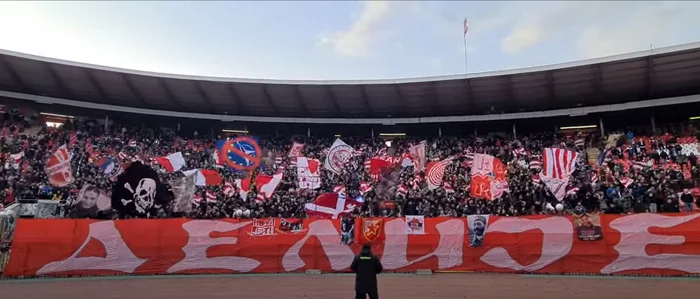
(477, 225)
(183, 189)
(588, 227)
(90, 201)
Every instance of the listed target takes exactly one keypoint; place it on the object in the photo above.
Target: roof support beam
(334, 100)
(240, 109)
(551, 92)
(62, 91)
(598, 84)
(23, 87)
(512, 100)
(103, 97)
(170, 95)
(469, 99)
(204, 96)
(435, 101)
(365, 97)
(402, 104)
(650, 78)
(300, 98)
(133, 90)
(267, 97)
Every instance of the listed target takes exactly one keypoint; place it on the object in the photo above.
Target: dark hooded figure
(366, 266)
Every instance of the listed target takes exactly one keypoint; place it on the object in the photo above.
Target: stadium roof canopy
(641, 76)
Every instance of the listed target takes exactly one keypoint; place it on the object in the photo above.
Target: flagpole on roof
(466, 60)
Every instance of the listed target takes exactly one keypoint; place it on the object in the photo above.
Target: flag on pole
(466, 26)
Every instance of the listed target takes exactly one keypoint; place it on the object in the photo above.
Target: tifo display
(648, 244)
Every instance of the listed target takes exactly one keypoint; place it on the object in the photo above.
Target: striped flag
(434, 173)
(211, 197)
(557, 166)
(365, 187)
(625, 181)
(73, 139)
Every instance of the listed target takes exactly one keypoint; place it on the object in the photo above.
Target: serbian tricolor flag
(206, 177)
(172, 162)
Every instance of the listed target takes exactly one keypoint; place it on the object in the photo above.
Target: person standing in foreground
(366, 267)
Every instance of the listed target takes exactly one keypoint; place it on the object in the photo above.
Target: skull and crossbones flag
(139, 192)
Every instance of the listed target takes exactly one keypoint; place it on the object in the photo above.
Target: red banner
(651, 244)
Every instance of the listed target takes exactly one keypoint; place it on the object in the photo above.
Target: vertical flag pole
(466, 61)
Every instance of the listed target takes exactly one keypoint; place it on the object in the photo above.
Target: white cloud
(521, 38)
(356, 40)
(663, 24)
(596, 28)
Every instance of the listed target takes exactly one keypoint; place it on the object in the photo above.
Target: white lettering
(199, 241)
(448, 251)
(118, 256)
(556, 242)
(635, 236)
(340, 256)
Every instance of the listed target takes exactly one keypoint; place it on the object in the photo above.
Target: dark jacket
(366, 266)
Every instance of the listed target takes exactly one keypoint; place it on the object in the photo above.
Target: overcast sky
(340, 40)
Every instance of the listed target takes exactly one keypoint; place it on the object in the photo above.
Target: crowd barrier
(640, 244)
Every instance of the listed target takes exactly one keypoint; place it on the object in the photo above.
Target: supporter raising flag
(557, 167)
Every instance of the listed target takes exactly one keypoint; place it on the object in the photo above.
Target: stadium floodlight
(695, 118)
(578, 127)
(337, 135)
(392, 134)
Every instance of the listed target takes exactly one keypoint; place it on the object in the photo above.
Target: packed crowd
(631, 174)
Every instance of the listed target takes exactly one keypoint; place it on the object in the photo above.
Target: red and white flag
(309, 173)
(340, 189)
(402, 190)
(73, 139)
(417, 153)
(296, 149)
(448, 188)
(172, 162)
(331, 206)
(211, 197)
(365, 187)
(267, 184)
(376, 166)
(337, 156)
(435, 172)
(557, 166)
(488, 177)
(197, 198)
(536, 179)
(625, 181)
(205, 177)
(229, 189)
(58, 168)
